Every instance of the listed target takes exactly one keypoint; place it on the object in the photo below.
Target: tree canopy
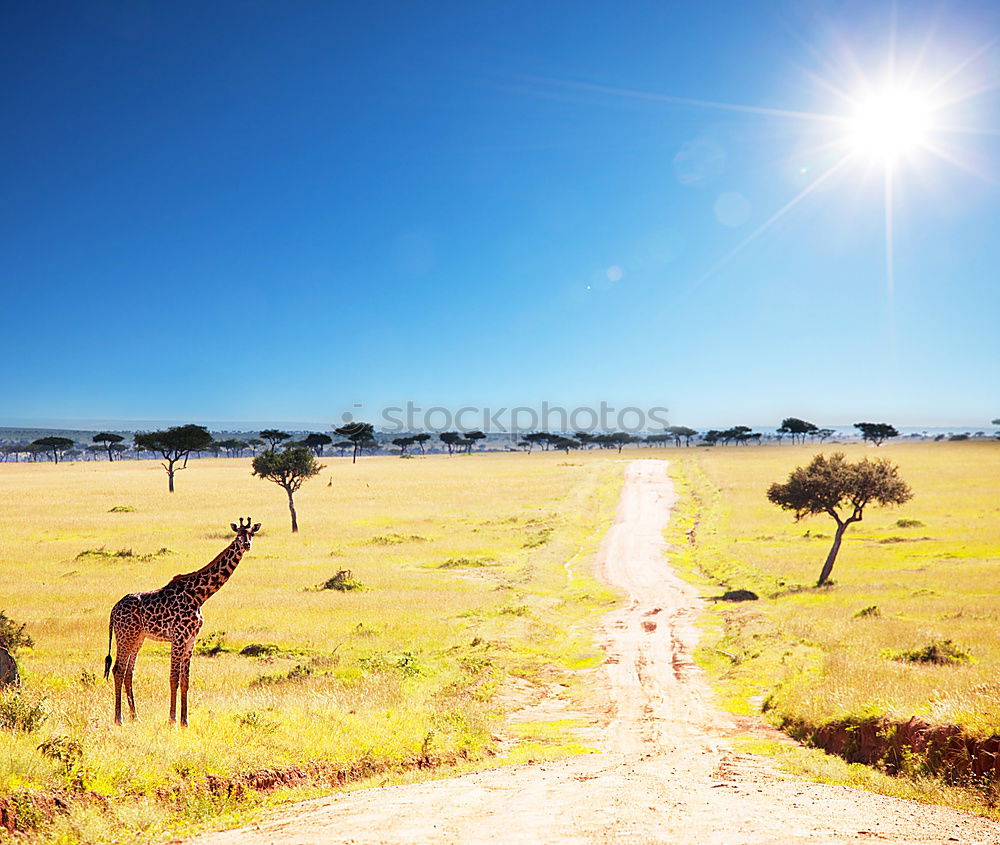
(474, 437)
(274, 436)
(317, 441)
(797, 428)
(53, 445)
(109, 440)
(877, 433)
(403, 443)
(361, 435)
(832, 485)
(173, 444)
(288, 469)
(679, 431)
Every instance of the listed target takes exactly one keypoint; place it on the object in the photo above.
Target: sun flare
(889, 124)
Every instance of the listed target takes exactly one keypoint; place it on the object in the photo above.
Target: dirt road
(665, 772)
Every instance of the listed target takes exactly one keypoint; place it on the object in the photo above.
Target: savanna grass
(907, 580)
(406, 668)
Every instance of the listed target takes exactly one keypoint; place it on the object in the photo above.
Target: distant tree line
(176, 445)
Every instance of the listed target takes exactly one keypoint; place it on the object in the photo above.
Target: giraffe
(170, 614)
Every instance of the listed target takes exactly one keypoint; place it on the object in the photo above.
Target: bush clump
(20, 712)
(466, 562)
(739, 595)
(939, 652)
(12, 634)
(67, 751)
(343, 581)
(260, 650)
(395, 539)
(122, 554)
(870, 611)
(215, 643)
(121, 509)
(909, 523)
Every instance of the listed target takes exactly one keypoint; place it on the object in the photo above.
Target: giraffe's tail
(107, 660)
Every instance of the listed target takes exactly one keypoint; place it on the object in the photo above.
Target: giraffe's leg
(185, 678)
(124, 657)
(187, 651)
(128, 679)
(118, 672)
(176, 649)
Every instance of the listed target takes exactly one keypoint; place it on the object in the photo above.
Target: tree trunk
(291, 508)
(832, 556)
(354, 460)
(170, 477)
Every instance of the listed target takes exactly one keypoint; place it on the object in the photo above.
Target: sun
(889, 124)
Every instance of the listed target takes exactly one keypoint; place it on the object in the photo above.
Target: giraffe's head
(244, 533)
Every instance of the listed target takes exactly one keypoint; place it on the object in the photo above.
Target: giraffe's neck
(205, 582)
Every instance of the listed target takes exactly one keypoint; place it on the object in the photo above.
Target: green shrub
(940, 652)
(122, 554)
(260, 650)
(67, 751)
(213, 644)
(540, 539)
(13, 635)
(466, 562)
(20, 712)
(343, 581)
(739, 595)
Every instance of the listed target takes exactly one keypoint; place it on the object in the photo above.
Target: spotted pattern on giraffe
(170, 614)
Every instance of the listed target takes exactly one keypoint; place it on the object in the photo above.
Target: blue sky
(252, 211)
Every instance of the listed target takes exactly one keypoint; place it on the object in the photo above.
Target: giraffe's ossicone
(170, 614)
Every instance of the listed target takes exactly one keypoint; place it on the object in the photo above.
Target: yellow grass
(462, 565)
(805, 654)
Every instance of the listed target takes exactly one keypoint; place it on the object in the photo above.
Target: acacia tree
(474, 436)
(679, 431)
(359, 433)
(565, 443)
(539, 438)
(450, 439)
(621, 438)
(834, 486)
(403, 443)
(232, 446)
(877, 433)
(274, 436)
(287, 469)
(174, 444)
(53, 445)
(420, 439)
(109, 440)
(316, 442)
(794, 426)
